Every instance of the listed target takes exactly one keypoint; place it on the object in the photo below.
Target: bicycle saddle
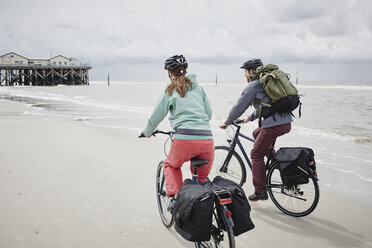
(198, 162)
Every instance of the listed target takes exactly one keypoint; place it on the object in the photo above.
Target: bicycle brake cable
(230, 131)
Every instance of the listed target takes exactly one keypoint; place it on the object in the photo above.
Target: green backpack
(279, 88)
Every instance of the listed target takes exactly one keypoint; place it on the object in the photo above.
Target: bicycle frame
(171, 136)
(294, 200)
(236, 141)
(222, 227)
(233, 145)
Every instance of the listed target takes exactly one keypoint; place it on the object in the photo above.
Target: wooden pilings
(43, 75)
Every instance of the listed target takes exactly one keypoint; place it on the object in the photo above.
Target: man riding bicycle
(272, 127)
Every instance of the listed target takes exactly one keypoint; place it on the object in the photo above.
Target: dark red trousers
(264, 138)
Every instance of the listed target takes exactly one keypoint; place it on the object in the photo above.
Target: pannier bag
(239, 207)
(296, 164)
(193, 211)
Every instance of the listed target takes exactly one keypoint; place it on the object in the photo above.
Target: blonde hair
(179, 82)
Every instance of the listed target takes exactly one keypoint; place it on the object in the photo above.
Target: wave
(127, 83)
(342, 87)
(352, 157)
(361, 138)
(322, 133)
(165, 83)
(35, 98)
(350, 172)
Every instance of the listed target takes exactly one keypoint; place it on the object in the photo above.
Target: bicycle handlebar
(237, 122)
(142, 135)
(162, 132)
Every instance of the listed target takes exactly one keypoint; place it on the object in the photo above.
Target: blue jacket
(189, 115)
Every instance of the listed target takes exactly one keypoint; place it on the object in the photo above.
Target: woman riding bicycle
(273, 126)
(190, 113)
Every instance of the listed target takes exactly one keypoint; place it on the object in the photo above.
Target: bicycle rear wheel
(220, 235)
(161, 195)
(228, 165)
(297, 200)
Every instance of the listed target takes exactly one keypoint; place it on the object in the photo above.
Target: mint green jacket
(189, 115)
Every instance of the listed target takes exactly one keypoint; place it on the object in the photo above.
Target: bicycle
(222, 226)
(296, 200)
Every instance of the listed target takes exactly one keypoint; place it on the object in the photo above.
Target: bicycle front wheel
(297, 200)
(228, 164)
(161, 195)
(221, 234)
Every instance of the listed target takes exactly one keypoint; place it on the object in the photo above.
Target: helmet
(252, 64)
(174, 62)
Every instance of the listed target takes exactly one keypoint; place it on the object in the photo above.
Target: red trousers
(182, 151)
(264, 138)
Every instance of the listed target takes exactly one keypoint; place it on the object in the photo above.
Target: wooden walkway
(43, 75)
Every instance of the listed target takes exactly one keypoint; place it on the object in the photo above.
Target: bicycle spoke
(296, 200)
(219, 237)
(233, 174)
(234, 170)
(162, 198)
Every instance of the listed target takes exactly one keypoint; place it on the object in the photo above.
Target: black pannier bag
(294, 164)
(193, 211)
(239, 207)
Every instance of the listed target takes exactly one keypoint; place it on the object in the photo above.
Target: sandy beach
(67, 184)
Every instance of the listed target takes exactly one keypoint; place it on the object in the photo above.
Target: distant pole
(216, 77)
(108, 79)
(296, 77)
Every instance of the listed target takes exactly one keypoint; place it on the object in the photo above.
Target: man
(273, 126)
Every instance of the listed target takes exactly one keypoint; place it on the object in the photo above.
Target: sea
(336, 120)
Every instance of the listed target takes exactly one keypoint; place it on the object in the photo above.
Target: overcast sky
(325, 40)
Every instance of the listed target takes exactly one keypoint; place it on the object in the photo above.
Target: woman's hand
(246, 120)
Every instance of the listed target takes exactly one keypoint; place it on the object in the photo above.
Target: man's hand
(246, 120)
(223, 126)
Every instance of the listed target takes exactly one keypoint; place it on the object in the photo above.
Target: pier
(16, 69)
(43, 75)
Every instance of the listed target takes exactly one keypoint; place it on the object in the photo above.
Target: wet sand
(67, 184)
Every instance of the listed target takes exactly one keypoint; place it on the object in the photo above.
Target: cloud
(297, 11)
(209, 32)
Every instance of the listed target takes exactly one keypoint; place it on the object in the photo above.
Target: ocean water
(336, 120)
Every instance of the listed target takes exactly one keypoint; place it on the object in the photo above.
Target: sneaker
(171, 204)
(258, 196)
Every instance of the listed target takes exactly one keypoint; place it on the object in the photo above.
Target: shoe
(258, 196)
(171, 204)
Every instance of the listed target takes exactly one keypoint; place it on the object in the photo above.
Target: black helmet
(174, 62)
(252, 64)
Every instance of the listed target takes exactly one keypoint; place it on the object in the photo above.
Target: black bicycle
(295, 200)
(221, 231)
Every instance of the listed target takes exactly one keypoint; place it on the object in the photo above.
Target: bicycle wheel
(228, 165)
(219, 236)
(167, 146)
(161, 195)
(298, 200)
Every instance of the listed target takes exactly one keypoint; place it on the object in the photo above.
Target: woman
(190, 113)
